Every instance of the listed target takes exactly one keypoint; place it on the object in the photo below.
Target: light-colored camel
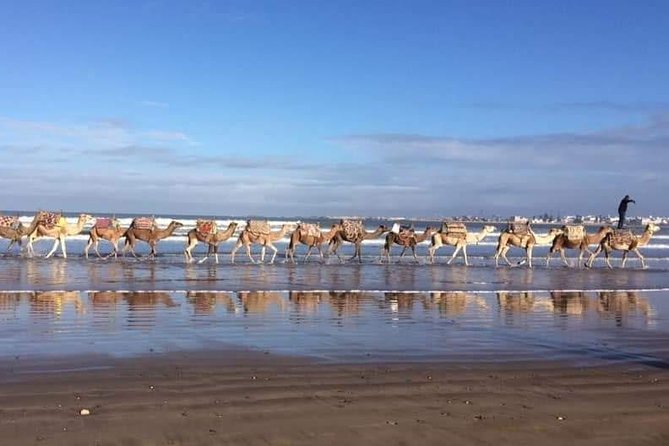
(341, 237)
(440, 239)
(59, 233)
(562, 242)
(212, 240)
(300, 235)
(610, 244)
(150, 236)
(527, 242)
(248, 238)
(112, 234)
(407, 242)
(15, 235)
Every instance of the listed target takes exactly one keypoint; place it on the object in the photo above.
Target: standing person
(622, 210)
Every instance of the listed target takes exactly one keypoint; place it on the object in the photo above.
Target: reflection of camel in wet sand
(150, 236)
(459, 240)
(527, 242)
(54, 302)
(307, 302)
(340, 237)
(405, 242)
(204, 302)
(346, 303)
(248, 238)
(16, 234)
(633, 243)
(58, 232)
(261, 301)
(622, 303)
(112, 234)
(569, 302)
(300, 235)
(212, 240)
(520, 302)
(562, 242)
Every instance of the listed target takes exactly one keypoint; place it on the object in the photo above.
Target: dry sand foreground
(251, 398)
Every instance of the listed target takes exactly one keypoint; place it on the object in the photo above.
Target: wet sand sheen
(233, 397)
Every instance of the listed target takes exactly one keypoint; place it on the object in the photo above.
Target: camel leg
(306, 257)
(320, 253)
(528, 251)
(248, 253)
(624, 260)
(404, 250)
(273, 248)
(129, 245)
(592, 257)
(413, 252)
(216, 254)
(56, 242)
(580, 258)
(564, 258)
(10, 246)
(262, 253)
(503, 252)
(608, 260)
(548, 258)
(358, 251)
(455, 253)
(234, 250)
(88, 246)
(638, 254)
(187, 251)
(97, 251)
(464, 253)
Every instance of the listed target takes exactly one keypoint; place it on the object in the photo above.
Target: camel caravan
(310, 237)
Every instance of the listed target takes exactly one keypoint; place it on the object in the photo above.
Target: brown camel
(562, 242)
(16, 233)
(301, 235)
(248, 238)
(408, 240)
(111, 233)
(459, 240)
(342, 236)
(528, 241)
(212, 240)
(626, 244)
(150, 236)
(59, 233)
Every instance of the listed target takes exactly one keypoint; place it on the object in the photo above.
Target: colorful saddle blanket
(143, 223)
(622, 236)
(51, 219)
(310, 229)
(260, 227)
(353, 229)
(574, 232)
(406, 234)
(106, 223)
(519, 228)
(9, 221)
(206, 227)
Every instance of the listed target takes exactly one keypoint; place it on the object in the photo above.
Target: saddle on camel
(622, 237)
(519, 228)
(574, 233)
(144, 223)
(52, 219)
(206, 227)
(310, 229)
(404, 232)
(106, 223)
(9, 221)
(258, 227)
(353, 229)
(451, 229)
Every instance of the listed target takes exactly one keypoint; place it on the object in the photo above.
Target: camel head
(489, 228)
(85, 218)
(554, 232)
(652, 228)
(176, 224)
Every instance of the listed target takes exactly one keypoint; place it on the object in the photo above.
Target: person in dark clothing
(622, 210)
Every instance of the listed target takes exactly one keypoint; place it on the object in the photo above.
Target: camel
(562, 242)
(16, 234)
(455, 239)
(611, 243)
(150, 236)
(112, 234)
(507, 239)
(248, 238)
(405, 242)
(58, 232)
(212, 240)
(300, 235)
(340, 237)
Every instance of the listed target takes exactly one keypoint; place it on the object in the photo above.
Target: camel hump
(50, 219)
(353, 228)
(103, 223)
(453, 228)
(520, 228)
(310, 229)
(622, 236)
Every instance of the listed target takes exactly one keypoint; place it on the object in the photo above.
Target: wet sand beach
(237, 397)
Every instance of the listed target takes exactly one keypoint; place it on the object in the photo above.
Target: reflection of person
(622, 210)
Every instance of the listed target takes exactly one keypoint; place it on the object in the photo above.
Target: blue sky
(326, 108)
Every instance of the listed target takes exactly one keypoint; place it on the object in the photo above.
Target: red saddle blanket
(406, 235)
(260, 227)
(49, 219)
(143, 223)
(310, 229)
(104, 223)
(206, 227)
(353, 229)
(622, 236)
(9, 221)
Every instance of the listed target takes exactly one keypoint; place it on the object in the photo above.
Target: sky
(372, 108)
